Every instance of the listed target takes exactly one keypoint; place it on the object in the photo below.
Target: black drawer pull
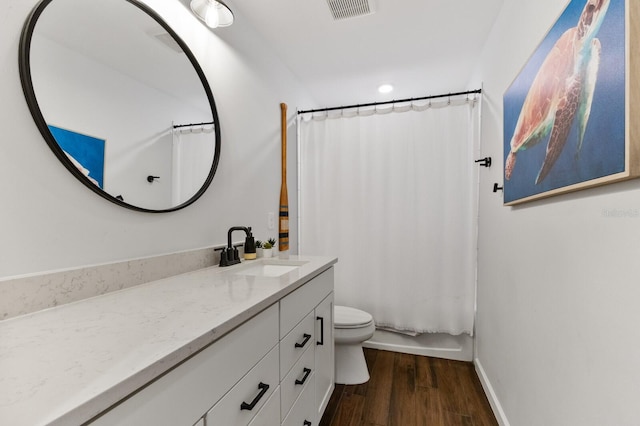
(321, 342)
(263, 389)
(304, 342)
(307, 371)
(307, 423)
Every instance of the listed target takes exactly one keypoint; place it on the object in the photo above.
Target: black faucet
(229, 255)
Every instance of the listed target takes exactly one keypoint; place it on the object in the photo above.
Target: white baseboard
(491, 395)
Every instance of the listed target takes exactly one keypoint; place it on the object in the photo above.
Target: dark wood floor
(409, 390)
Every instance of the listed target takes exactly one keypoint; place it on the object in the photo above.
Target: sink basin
(267, 270)
(271, 267)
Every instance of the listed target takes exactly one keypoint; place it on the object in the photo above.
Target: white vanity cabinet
(187, 350)
(276, 368)
(185, 394)
(307, 351)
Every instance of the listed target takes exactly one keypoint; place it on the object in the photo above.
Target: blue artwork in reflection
(85, 152)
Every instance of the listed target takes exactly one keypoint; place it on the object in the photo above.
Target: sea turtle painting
(558, 104)
(562, 89)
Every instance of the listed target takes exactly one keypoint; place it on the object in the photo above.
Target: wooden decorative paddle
(283, 228)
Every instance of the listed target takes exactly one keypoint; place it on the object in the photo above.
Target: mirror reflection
(121, 101)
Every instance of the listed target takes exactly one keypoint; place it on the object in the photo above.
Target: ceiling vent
(343, 9)
(168, 40)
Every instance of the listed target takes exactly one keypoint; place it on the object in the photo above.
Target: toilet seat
(345, 317)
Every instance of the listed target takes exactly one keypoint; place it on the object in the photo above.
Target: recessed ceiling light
(385, 88)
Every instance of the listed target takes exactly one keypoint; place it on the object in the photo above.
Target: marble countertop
(65, 365)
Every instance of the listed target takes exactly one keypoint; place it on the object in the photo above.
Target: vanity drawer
(302, 373)
(269, 415)
(295, 343)
(298, 304)
(185, 393)
(252, 392)
(303, 412)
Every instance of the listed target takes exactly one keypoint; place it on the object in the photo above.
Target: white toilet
(351, 328)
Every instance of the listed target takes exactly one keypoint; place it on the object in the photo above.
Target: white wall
(50, 221)
(558, 279)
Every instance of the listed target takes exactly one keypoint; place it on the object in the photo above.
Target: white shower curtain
(394, 196)
(192, 157)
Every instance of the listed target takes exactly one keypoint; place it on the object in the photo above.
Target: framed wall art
(85, 152)
(572, 115)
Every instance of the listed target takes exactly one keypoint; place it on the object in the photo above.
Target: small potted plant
(267, 248)
(272, 241)
(259, 249)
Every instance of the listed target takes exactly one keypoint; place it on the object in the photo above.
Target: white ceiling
(122, 37)
(421, 47)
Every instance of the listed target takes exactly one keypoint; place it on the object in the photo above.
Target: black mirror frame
(24, 63)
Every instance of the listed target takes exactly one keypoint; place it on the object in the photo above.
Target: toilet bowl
(351, 328)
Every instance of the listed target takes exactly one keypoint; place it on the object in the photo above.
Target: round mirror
(121, 101)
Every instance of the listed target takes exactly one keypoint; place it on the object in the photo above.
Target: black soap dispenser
(249, 246)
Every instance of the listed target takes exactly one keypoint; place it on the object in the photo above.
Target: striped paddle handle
(283, 228)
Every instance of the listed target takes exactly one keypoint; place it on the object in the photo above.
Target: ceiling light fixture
(385, 88)
(214, 13)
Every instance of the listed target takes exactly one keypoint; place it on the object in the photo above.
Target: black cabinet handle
(304, 342)
(321, 342)
(307, 423)
(263, 389)
(307, 371)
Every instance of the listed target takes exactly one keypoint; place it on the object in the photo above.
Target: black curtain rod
(469, 92)
(192, 124)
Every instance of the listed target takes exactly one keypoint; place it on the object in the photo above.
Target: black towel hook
(484, 162)
(497, 188)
